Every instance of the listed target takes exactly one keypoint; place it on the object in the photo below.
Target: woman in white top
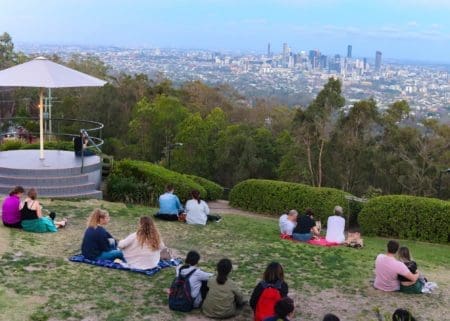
(197, 211)
(142, 248)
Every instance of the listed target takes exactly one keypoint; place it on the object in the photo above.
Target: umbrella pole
(41, 123)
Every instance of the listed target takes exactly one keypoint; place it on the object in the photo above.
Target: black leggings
(167, 217)
(15, 225)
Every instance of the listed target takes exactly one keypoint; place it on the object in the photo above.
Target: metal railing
(62, 129)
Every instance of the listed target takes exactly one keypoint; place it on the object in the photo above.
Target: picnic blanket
(320, 242)
(112, 265)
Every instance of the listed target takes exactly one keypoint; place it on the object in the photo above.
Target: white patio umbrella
(43, 73)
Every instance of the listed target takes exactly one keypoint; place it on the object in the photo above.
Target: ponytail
(196, 195)
(224, 268)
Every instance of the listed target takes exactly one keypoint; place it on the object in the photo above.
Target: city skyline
(411, 30)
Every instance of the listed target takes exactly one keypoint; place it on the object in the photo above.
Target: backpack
(180, 298)
(266, 303)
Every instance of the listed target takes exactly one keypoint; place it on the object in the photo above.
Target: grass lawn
(39, 283)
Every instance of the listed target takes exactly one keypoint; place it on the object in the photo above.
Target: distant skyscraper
(285, 54)
(378, 61)
(365, 63)
(268, 50)
(349, 51)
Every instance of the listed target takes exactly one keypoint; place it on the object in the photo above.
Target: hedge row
(409, 217)
(275, 197)
(19, 144)
(142, 182)
(213, 190)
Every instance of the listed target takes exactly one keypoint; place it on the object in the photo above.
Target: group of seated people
(304, 228)
(396, 271)
(28, 214)
(142, 249)
(196, 210)
(219, 297)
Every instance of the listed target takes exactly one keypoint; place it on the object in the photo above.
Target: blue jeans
(111, 255)
(302, 237)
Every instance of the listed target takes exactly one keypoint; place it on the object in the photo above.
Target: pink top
(10, 210)
(387, 269)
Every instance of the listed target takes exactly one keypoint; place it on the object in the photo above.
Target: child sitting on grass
(284, 310)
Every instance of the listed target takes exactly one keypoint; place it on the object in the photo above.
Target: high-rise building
(378, 61)
(268, 50)
(365, 63)
(349, 51)
(314, 56)
(285, 54)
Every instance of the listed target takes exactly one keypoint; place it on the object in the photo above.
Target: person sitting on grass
(11, 208)
(306, 227)
(224, 298)
(268, 291)
(284, 310)
(198, 280)
(402, 315)
(330, 317)
(142, 249)
(388, 268)
(33, 219)
(336, 226)
(169, 205)
(287, 222)
(197, 211)
(405, 285)
(98, 243)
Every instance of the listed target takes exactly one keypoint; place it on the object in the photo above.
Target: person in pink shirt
(388, 268)
(11, 208)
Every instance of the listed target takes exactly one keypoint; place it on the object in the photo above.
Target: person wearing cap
(336, 226)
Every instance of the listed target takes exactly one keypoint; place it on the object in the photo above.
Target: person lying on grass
(224, 298)
(32, 218)
(142, 248)
(98, 243)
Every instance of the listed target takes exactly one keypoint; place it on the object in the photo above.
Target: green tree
(312, 127)
(7, 54)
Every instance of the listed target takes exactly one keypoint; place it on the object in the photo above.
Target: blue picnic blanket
(112, 265)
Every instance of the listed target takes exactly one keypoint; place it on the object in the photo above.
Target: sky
(400, 29)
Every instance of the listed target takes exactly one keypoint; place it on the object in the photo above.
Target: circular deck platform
(60, 174)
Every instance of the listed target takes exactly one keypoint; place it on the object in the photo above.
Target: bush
(128, 190)
(409, 217)
(153, 178)
(213, 190)
(275, 197)
(19, 144)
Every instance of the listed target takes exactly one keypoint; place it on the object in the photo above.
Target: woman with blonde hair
(98, 243)
(32, 218)
(142, 248)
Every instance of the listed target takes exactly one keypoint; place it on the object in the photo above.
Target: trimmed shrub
(128, 190)
(408, 217)
(213, 190)
(18, 144)
(275, 197)
(154, 179)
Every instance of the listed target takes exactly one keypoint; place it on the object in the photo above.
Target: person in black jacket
(98, 243)
(273, 275)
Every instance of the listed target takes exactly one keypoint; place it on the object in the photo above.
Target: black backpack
(180, 298)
